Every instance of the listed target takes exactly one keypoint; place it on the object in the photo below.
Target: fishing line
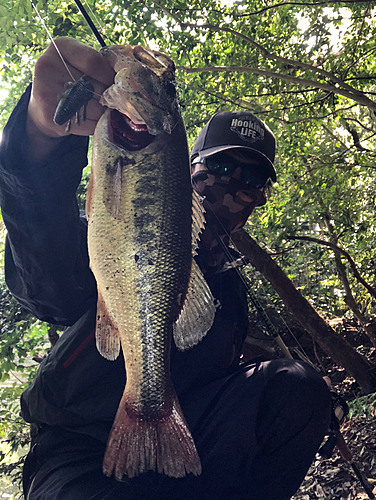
(270, 328)
(223, 246)
(86, 16)
(57, 48)
(52, 40)
(294, 337)
(94, 16)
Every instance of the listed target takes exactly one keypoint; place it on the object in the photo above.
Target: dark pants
(256, 432)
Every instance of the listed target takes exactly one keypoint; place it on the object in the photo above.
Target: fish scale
(139, 207)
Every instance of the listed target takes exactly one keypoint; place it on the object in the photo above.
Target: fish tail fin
(162, 445)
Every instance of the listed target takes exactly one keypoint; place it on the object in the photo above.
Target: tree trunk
(350, 300)
(331, 342)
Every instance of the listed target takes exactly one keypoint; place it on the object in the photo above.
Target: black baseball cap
(237, 130)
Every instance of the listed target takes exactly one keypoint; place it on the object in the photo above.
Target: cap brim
(265, 160)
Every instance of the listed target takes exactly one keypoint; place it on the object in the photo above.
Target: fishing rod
(90, 23)
(269, 326)
(340, 411)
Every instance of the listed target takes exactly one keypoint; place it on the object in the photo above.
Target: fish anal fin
(106, 334)
(137, 445)
(197, 314)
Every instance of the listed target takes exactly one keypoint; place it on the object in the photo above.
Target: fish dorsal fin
(197, 314)
(106, 334)
(198, 219)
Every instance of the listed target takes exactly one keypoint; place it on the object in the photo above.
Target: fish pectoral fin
(106, 334)
(198, 220)
(197, 314)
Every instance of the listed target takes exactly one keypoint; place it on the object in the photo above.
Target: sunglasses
(253, 176)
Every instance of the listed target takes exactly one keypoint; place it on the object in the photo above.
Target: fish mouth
(126, 134)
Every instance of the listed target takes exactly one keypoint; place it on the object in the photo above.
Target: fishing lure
(76, 97)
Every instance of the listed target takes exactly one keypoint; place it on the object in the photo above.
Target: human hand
(50, 77)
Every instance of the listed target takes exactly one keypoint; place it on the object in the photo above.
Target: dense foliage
(307, 68)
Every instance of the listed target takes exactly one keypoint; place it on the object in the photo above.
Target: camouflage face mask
(222, 197)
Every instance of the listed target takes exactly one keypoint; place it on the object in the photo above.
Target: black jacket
(46, 269)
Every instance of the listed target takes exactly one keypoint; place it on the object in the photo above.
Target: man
(256, 426)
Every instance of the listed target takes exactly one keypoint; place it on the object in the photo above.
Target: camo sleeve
(46, 259)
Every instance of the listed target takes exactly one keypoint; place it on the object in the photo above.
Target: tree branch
(265, 53)
(243, 103)
(354, 269)
(353, 146)
(359, 78)
(304, 4)
(334, 136)
(302, 120)
(282, 92)
(359, 98)
(349, 119)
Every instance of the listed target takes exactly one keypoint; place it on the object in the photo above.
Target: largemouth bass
(140, 209)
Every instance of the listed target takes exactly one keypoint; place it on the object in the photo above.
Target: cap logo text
(248, 130)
